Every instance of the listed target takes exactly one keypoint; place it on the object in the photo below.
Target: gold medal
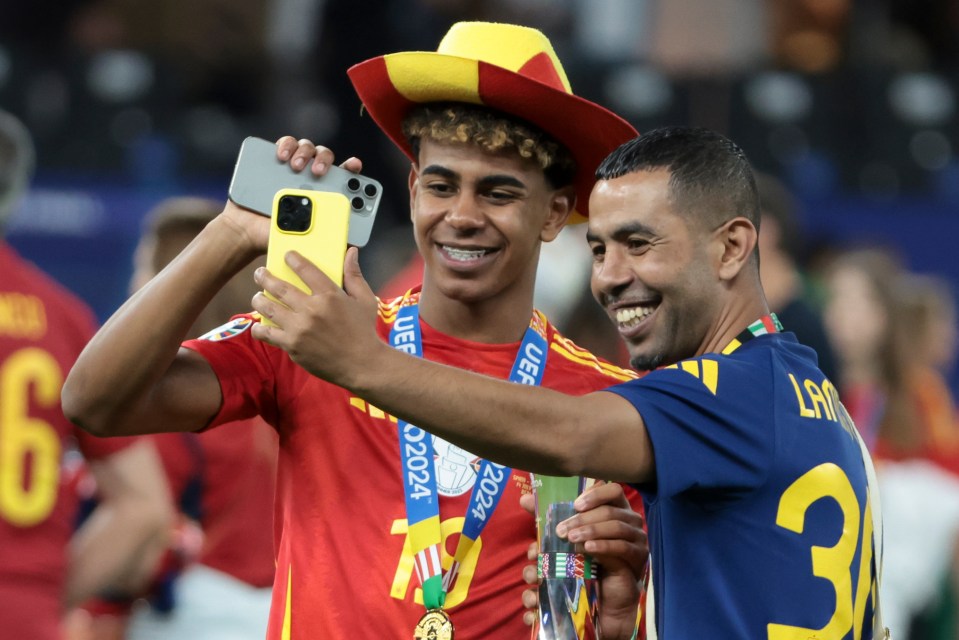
(434, 625)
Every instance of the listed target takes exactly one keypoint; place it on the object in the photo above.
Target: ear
(413, 182)
(561, 205)
(736, 244)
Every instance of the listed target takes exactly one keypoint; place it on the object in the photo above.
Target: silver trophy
(568, 588)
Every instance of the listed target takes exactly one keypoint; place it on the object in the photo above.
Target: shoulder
(565, 356)
(387, 308)
(21, 273)
(30, 293)
(745, 370)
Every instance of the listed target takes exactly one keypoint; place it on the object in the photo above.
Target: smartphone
(259, 175)
(313, 223)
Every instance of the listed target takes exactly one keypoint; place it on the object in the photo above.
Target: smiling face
(653, 270)
(478, 219)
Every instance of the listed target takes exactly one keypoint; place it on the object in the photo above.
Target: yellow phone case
(323, 242)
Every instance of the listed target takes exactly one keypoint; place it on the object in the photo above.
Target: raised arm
(133, 377)
(331, 334)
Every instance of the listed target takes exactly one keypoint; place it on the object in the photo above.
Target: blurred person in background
(859, 318)
(873, 316)
(46, 566)
(780, 257)
(868, 296)
(931, 307)
(927, 312)
(926, 335)
(222, 482)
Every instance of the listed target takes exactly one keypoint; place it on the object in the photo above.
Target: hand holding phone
(259, 175)
(313, 223)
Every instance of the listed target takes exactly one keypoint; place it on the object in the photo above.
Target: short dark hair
(493, 131)
(710, 176)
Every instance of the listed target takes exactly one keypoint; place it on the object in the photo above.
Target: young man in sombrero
(370, 543)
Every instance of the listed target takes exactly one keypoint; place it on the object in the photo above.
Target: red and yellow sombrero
(506, 67)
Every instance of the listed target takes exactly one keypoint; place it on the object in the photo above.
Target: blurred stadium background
(852, 103)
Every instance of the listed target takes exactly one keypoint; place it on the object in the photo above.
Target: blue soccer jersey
(759, 521)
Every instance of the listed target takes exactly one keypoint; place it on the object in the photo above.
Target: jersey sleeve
(245, 368)
(712, 436)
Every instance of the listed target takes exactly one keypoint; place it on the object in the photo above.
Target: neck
(498, 320)
(733, 320)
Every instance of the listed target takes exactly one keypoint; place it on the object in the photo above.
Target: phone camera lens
(294, 214)
(358, 203)
(370, 190)
(304, 215)
(353, 184)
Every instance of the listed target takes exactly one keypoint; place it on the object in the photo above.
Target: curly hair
(492, 131)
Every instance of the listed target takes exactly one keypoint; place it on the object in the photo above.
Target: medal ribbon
(418, 466)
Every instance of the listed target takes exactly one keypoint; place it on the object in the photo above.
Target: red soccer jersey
(344, 566)
(224, 478)
(43, 327)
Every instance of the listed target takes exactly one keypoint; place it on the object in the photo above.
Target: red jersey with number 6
(43, 327)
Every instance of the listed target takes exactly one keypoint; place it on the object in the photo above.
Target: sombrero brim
(389, 86)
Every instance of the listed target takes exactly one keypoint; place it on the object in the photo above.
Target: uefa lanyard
(766, 324)
(419, 473)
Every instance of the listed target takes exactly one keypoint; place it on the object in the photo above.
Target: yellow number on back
(832, 563)
(28, 445)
